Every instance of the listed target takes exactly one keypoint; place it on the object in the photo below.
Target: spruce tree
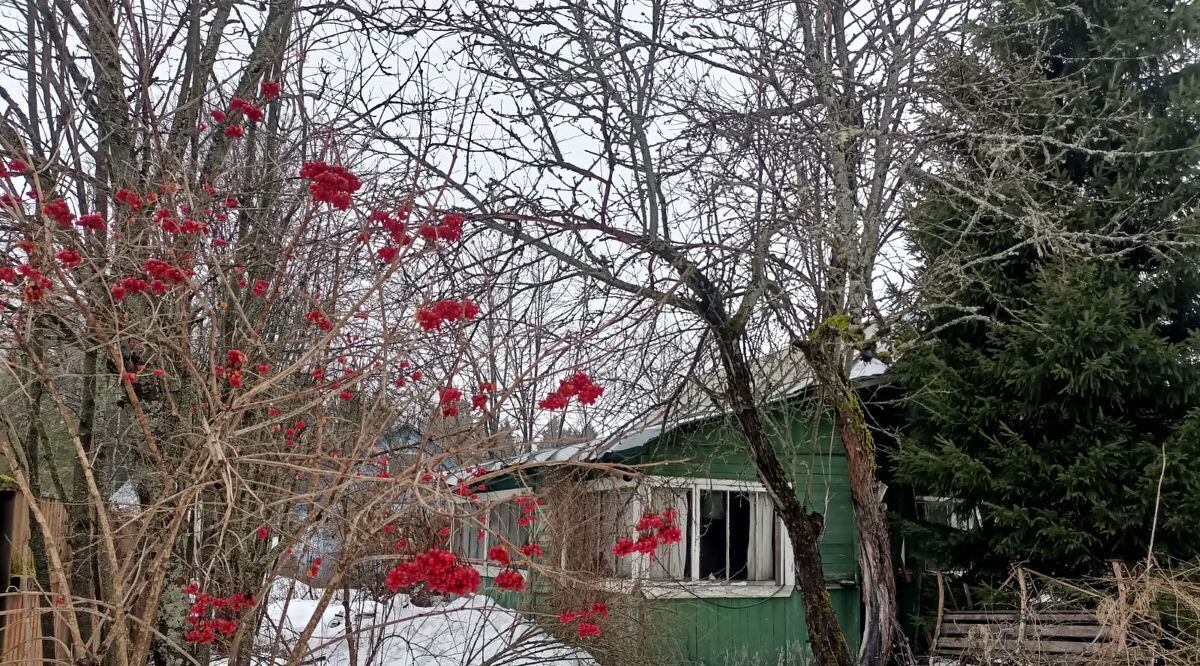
(1057, 359)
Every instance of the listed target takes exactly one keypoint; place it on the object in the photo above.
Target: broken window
(727, 535)
(736, 536)
(946, 512)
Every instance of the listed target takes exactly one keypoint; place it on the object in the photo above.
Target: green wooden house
(725, 593)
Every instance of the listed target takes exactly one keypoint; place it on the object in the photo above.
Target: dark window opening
(712, 534)
(739, 536)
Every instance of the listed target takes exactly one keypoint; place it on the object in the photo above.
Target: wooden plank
(1037, 630)
(21, 644)
(1009, 646)
(1072, 633)
(20, 638)
(1013, 617)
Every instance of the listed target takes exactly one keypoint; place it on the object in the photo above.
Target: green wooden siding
(747, 632)
(751, 632)
(813, 457)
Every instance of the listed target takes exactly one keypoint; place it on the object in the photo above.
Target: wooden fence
(21, 606)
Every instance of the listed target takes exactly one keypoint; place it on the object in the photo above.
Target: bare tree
(740, 164)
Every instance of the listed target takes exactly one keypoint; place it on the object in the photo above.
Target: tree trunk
(82, 540)
(874, 548)
(37, 539)
(825, 634)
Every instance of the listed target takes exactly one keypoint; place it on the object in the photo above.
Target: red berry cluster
(585, 629)
(270, 90)
(449, 230)
(292, 433)
(58, 211)
(14, 166)
(91, 222)
(448, 397)
(234, 360)
(499, 555)
(170, 224)
(588, 629)
(578, 386)
(247, 109)
(394, 224)
(69, 258)
(314, 567)
(388, 253)
(331, 184)
(439, 570)
(161, 270)
(318, 319)
(129, 198)
(464, 487)
(432, 317)
(36, 283)
(202, 615)
(511, 580)
(653, 529)
(529, 507)
(160, 273)
(415, 376)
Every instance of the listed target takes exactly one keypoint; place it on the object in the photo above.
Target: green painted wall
(742, 632)
(766, 632)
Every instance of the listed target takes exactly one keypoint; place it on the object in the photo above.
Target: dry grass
(1150, 615)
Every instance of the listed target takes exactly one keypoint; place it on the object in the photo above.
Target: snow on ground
(461, 632)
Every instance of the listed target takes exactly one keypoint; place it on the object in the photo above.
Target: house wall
(756, 631)
(748, 632)
(765, 631)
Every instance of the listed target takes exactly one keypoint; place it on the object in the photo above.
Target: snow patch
(459, 632)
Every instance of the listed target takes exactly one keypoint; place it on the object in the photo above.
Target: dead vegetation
(1148, 615)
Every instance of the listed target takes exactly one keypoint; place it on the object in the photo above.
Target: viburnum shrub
(529, 506)
(449, 230)
(448, 397)
(253, 345)
(499, 555)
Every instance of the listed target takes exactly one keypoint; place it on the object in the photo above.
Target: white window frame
(785, 573)
(491, 499)
(639, 582)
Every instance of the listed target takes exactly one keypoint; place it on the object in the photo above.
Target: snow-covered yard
(465, 631)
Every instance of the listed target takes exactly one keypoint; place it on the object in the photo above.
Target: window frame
(694, 587)
(657, 588)
(957, 519)
(493, 499)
